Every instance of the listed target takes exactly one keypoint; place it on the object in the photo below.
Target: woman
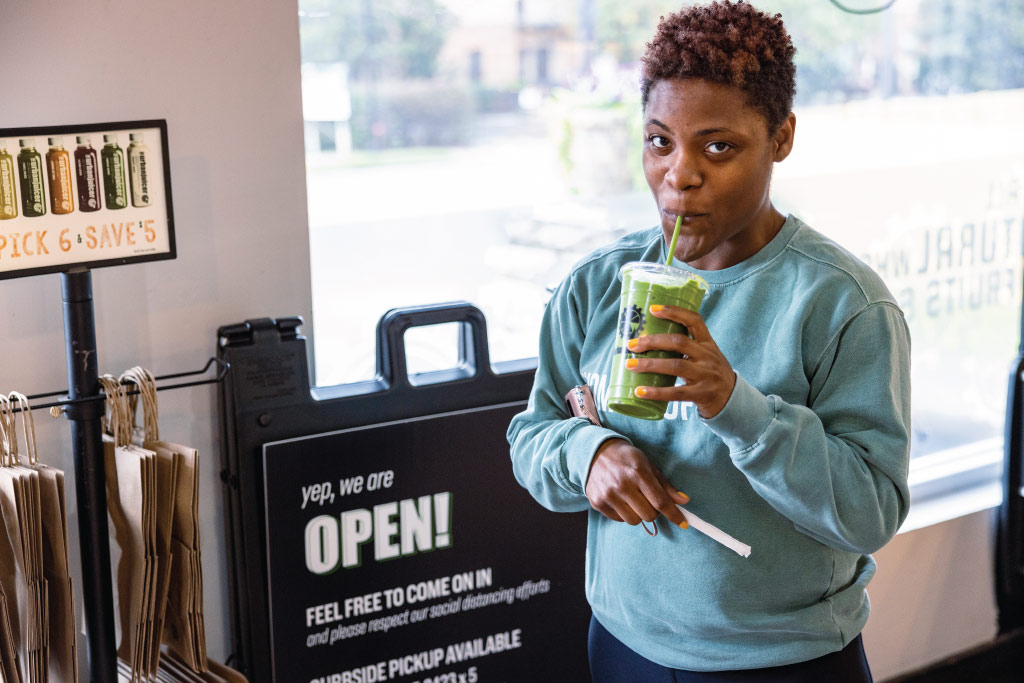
(794, 432)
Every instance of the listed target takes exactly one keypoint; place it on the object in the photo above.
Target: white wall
(933, 595)
(225, 75)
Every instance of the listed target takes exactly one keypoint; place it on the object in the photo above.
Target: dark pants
(613, 662)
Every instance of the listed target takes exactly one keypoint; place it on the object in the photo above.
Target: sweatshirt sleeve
(551, 450)
(838, 466)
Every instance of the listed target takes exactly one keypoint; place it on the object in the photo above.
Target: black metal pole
(90, 481)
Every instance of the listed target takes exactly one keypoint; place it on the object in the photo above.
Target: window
(488, 146)
(325, 136)
(475, 70)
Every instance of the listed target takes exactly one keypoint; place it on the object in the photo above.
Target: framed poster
(84, 196)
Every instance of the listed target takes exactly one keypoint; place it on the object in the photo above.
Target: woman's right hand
(624, 486)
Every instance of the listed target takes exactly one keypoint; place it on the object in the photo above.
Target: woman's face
(708, 157)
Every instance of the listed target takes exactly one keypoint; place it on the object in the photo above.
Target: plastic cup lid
(659, 273)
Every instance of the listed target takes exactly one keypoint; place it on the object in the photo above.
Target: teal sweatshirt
(807, 463)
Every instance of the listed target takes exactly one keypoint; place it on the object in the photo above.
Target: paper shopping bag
(174, 670)
(22, 573)
(178, 547)
(9, 667)
(59, 629)
(169, 457)
(130, 501)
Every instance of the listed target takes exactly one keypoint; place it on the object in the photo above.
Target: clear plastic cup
(644, 285)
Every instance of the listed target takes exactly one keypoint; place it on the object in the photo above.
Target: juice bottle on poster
(115, 191)
(30, 177)
(8, 185)
(58, 170)
(138, 174)
(87, 172)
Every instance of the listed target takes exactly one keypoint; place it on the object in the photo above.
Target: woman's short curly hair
(726, 42)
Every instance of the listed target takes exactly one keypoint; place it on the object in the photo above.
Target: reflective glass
(461, 150)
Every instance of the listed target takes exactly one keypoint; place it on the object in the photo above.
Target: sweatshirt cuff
(580, 448)
(745, 417)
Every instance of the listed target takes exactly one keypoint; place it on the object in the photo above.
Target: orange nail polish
(632, 343)
(684, 525)
(641, 391)
(683, 495)
(657, 308)
(632, 362)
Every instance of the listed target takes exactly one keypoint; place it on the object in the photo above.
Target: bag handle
(28, 425)
(6, 446)
(115, 421)
(11, 425)
(146, 383)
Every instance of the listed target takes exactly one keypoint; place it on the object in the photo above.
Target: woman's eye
(658, 141)
(718, 147)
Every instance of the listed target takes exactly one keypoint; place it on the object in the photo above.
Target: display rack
(84, 407)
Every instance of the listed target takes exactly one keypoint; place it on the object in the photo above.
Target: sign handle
(474, 359)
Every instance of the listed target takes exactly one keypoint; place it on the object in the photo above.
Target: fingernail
(632, 362)
(684, 525)
(641, 391)
(656, 308)
(633, 343)
(683, 495)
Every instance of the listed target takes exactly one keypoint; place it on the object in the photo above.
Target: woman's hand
(624, 486)
(708, 375)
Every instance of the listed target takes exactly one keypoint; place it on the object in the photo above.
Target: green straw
(672, 246)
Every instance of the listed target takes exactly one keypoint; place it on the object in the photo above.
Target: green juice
(645, 285)
(115, 189)
(8, 185)
(31, 178)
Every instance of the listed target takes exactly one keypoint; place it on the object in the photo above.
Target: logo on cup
(631, 322)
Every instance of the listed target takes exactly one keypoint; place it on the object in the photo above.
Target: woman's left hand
(708, 376)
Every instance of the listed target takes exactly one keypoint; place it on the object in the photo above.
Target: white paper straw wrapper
(715, 533)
